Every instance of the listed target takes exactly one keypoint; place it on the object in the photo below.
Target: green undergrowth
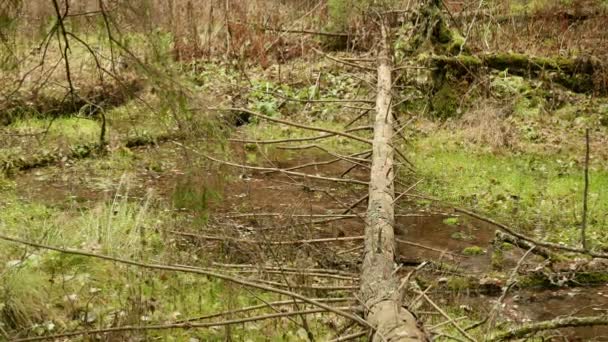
(532, 192)
(48, 292)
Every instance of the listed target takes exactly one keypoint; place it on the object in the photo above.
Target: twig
(439, 325)
(66, 47)
(349, 159)
(306, 274)
(185, 325)
(406, 191)
(357, 118)
(408, 276)
(585, 193)
(427, 247)
(353, 166)
(339, 60)
(454, 324)
(258, 168)
(507, 287)
(291, 99)
(355, 204)
(526, 238)
(302, 31)
(289, 123)
(262, 306)
(279, 243)
(287, 140)
(350, 337)
(311, 287)
(190, 270)
(320, 270)
(286, 215)
(561, 322)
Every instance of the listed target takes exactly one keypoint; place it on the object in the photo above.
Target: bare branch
(289, 123)
(278, 243)
(338, 60)
(185, 325)
(299, 174)
(193, 271)
(560, 322)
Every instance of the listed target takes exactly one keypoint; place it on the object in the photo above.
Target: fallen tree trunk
(582, 75)
(379, 285)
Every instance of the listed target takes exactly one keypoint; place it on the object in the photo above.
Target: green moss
(68, 130)
(591, 278)
(505, 85)
(505, 246)
(498, 259)
(445, 102)
(533, 281)
(463, 236)
(470, 60)
(458, 283)
(251, 147)
(456, 43)
(568, 112)
(451, 221)
(526, 107)
(473, 250)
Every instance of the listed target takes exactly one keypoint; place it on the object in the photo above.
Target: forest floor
(514, 156)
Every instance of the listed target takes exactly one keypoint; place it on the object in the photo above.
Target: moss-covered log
(523, 244)
(582, 75)
(563, 322)
(88, 101)
(80, 151)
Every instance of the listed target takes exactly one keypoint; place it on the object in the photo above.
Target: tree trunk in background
(379, 286)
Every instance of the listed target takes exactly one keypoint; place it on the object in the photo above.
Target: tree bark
(379, 285)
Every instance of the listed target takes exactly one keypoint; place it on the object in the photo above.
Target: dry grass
(487, 125)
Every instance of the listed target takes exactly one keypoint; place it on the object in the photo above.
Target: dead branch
(185, 325)
(296, 31)
(341, 61)
(258, 168)
(355, 204)
(347, 171)
(278, 243)
(544, 252)
(288, 140)
(262, 306)
(66, 45)
(352, 160)
(291, 99)
(429, 248)
(320, 270)
(287, 215)
(444, 314)
(561, 322)
(350, 337)
(225, 277)
(585, 193)
(510, 282)
(526, 238)
(283, 272)
(357, 118)
(310, 287)
(294, 124)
